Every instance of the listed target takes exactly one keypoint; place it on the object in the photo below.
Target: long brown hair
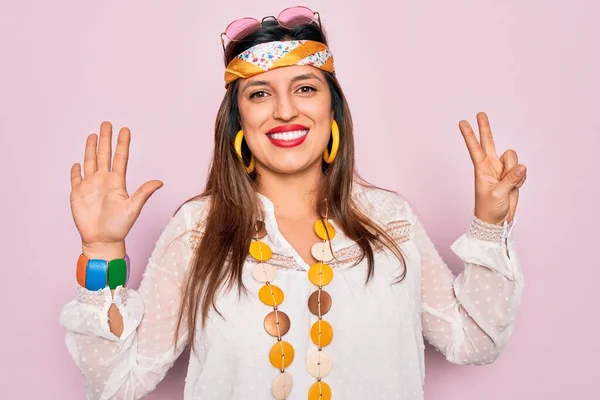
(233, 206)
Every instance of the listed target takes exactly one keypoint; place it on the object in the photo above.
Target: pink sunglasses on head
(288, 18)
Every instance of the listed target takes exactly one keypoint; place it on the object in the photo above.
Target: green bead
(117, 273)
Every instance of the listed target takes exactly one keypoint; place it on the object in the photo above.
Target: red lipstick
(288, 135)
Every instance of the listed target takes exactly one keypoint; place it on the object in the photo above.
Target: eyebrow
(302, 77)
(297, 78)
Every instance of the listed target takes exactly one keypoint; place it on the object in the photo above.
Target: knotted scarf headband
(271, 55)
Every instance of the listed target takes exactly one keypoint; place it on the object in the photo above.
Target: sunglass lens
(294, 16)
(241, 27)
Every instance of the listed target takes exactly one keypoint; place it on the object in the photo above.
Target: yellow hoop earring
(239, 137)
(335, 144)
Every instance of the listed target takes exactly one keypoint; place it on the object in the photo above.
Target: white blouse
(377, 348)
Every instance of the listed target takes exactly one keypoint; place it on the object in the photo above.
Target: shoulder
(192, 211)
(187, 220)
(383, 205)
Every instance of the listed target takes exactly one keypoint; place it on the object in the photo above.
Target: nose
(284, 107)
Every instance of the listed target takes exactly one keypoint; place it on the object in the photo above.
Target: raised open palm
(103, 211)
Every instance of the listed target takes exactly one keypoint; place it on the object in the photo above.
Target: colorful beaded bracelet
(95, 274)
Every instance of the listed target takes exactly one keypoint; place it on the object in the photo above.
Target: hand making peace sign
(497, 180)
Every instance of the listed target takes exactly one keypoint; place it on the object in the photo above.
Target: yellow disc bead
(320, 274)
(321, 333)
(260, 250)
(319, 391)
(281, 355)
(271, 295)
(321, 232)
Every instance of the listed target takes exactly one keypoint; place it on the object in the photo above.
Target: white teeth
(289, 135)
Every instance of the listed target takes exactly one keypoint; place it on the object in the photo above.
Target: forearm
(108, 251)
(115, 319)
(469, 318)
(108, 363)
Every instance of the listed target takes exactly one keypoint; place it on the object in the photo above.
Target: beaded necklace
(277, 323)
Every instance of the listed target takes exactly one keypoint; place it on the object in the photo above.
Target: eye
(306, 89)
(258, 94)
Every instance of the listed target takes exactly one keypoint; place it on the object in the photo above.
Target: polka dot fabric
(380, 327)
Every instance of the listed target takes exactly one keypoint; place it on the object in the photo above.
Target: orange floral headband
(271, 55)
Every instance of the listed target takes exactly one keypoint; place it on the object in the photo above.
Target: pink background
(411, 71)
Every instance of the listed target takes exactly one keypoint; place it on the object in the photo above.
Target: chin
(293, 166)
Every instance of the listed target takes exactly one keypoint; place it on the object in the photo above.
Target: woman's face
(286, 117)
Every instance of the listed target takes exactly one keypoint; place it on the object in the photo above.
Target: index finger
(122, 152)
(485, 132)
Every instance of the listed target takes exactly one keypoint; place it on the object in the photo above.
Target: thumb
(512, 178)
(141, 196)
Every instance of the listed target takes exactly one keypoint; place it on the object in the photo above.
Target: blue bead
(95, 277)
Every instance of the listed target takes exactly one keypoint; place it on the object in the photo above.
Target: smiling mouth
(291, 135)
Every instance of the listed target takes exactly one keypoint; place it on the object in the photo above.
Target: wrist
(486, 231)
(104, 251)
(101, 265)
(485, 219)
(490, 221)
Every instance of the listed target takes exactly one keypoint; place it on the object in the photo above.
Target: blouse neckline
(281, 244)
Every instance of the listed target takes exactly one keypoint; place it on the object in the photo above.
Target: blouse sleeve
(469, 318)
(130, 366)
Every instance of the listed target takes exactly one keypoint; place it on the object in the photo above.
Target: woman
(286, 246)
